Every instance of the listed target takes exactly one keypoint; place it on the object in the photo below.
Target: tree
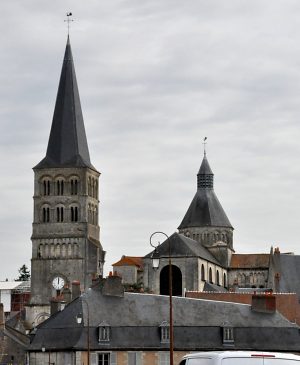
(24, 273)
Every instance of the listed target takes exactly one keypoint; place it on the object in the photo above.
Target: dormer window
(164, 332)
(228, 338)
(103, 332)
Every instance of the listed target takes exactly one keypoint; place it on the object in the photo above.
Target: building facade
(120, 328)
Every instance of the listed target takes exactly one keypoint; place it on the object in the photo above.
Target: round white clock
(58, 282)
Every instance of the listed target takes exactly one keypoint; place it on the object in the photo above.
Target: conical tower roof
(67, 146)
(205, 209)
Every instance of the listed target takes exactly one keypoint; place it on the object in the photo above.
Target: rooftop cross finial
(204, 144)
(69, 20)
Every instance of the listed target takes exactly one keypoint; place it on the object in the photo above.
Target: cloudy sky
(156, 77)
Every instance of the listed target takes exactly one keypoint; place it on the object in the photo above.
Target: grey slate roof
(67, 146)
(205, 210)
(289, 268)
(182, 246)
(134, 322)
(214, 287)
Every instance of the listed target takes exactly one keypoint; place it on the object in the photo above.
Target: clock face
(58, 282)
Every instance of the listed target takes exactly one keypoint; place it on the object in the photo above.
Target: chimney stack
(76, 289)
(264, 303)
(113, 286)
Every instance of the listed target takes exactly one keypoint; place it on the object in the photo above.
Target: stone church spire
(67, 144)
(205, 220)
(65, 237)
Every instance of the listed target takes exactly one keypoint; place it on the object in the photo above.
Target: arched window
(46, 187)
(74, 186)
(89, 186)
(74, 214)
(60, 187)
(92, 187)
(202, 273)
(224, 281)
(59, 214)
(96, 190)
(210, 275)
(218, 277)
(46, 214)
(96, 216)
(89, 213)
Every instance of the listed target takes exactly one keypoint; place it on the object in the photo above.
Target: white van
(240, 358)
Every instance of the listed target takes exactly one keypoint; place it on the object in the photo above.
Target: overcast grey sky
(155, 77)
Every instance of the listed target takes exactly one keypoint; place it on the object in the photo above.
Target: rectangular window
(104, 358)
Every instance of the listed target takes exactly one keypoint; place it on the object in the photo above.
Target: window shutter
(93, 358)
(113, 358)
(131, 358)
(164, 358)
(138, 358)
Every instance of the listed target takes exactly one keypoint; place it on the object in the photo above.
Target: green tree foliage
(24, 273)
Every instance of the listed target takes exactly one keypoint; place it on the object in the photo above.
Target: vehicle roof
(225, 354)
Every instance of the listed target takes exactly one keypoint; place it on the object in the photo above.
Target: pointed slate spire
(67, 146)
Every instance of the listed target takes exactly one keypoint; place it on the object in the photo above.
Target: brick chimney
(113, 286)
(56, 305)
(66, 294)
(76, 289)
(264, 303)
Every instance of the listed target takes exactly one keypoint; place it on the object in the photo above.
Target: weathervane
(204, 144)
(69, 20)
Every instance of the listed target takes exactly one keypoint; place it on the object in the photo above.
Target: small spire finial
(69, 20)
(204, 144)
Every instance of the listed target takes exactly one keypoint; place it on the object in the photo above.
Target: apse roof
(182, 246)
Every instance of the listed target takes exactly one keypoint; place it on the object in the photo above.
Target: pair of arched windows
(92, 214)
(46, 187)
(93, 187)
(74, 214)
(74, 186)
(60, 214)
(46, 214)
(60, 187)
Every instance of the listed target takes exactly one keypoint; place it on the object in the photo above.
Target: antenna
(204, 145)
(69, 20)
